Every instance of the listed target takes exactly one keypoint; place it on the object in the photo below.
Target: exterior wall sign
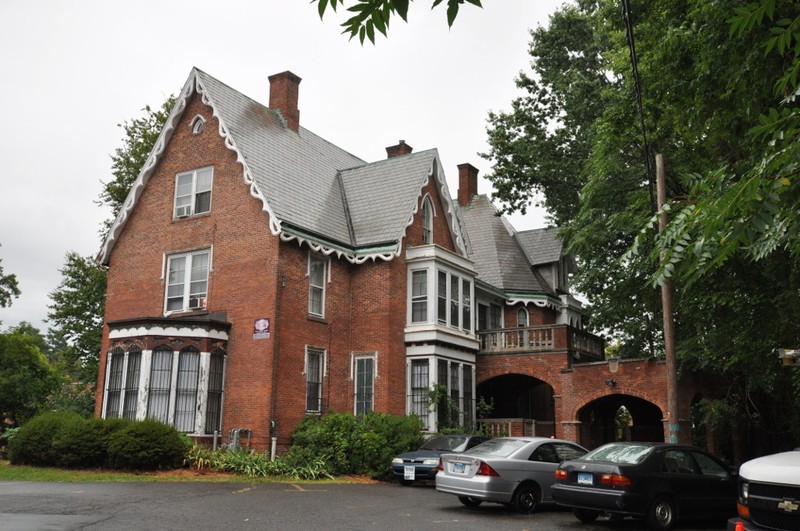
(261, 328)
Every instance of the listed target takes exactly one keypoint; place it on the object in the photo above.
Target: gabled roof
(541, 246)
(499, 258)
(311, 190)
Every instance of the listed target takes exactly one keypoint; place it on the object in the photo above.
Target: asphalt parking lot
(26, 506)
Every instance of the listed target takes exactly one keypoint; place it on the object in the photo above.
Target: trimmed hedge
(65, 439)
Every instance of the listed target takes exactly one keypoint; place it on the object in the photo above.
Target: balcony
(557, 338)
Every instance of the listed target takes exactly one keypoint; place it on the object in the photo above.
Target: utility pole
(673, 420)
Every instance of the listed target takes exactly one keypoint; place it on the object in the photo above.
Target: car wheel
(406, 482)
(661, 515)
(526, 499)
(469, 502)
(587, 516)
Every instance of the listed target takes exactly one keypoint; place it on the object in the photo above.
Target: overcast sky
(73, 70)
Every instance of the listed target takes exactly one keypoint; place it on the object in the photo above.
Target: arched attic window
(198, 123)
(427, 220)
(522, 317)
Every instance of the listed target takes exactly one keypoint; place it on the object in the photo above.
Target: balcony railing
(538, 339)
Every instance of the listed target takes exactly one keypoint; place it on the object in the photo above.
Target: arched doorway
(525, 399)
(619, 417)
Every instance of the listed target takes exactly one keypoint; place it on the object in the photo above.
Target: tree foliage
(9, 288)
(26, 377)
(76, 317)
(126, 163)
(574, 143)
(369, 16)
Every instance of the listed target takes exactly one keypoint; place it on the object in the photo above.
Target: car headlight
(397, 461)
(431, 462)
(745, 489)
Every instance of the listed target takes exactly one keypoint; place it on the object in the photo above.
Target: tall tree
(76, 315)
(700, 92)
(26, 377)
(126, 163)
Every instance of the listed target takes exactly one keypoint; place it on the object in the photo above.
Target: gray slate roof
(311, 188)
(499, 259)
(541, 246)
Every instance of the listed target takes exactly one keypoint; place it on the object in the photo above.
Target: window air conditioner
(183, 211)
(197, 304)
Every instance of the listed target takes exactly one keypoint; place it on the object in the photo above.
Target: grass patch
(9, 472)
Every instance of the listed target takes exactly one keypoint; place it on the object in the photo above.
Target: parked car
(422, 464)
(656, 481)
(516, 471)
(769, 493)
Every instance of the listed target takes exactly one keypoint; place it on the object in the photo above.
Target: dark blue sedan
(422, 464)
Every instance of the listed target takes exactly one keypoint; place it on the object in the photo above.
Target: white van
(769, 494)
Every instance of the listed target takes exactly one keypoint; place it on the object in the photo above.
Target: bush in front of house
(146, 445)
(65, 439)
(350, 444)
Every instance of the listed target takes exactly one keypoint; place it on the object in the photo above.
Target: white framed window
(315, 373)
(160, 388)
(317, 280)
(198, 124)
(186, 389)
(132, 377)
(216, 380)
(193, 192)
(364, 370)
(419, 296)
(115, 372)
(187, 281)
(419, 397)
(427, 220)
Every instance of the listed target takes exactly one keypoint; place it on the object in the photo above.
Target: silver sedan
(516, 471)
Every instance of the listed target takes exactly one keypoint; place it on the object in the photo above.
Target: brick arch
(546, 368)
(573, 415)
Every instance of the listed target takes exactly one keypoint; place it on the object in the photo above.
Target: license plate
(585, 478)
(409, 472)
(458, 468)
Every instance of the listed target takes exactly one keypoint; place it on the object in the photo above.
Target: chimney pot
(400, 149)
(467, 183)
(283, 93)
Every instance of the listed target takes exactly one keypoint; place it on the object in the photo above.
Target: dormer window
(193, 192)
(198, 124)
(427, 220)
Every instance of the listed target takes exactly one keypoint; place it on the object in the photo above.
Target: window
(198, 124)
(522, 317)
(315, 369)
(115, 373)
(441, 298)
(495, 317)
(466, 304)
(419, 296)
(365, 384)
(216, 373)
(187, 281)
(419, 390)
(193, 192)
(186, 389)
(467, 394)
(160, 384)
(317, 268)
(132, 383)
(427, 220)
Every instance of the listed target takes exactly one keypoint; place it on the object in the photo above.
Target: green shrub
(33, 444)
(79, 443)
(146, 445)
(351, 444)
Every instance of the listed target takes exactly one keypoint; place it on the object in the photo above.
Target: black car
(656, 481)
(422, 464)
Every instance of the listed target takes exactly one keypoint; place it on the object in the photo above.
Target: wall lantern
(613, 364)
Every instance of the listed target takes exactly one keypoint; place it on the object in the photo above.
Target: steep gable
(311, 190)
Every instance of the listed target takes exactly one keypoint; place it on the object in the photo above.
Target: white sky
(71, 71)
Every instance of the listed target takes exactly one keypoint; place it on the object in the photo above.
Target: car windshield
(446, 443)
(619, 453)
(498, 447)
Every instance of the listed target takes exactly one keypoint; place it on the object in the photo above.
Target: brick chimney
(400, 149)
(283, 92)
(467, 183)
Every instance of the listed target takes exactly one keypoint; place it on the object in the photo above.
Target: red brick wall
(244, 263)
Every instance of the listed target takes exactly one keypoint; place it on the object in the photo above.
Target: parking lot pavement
(26, 506)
